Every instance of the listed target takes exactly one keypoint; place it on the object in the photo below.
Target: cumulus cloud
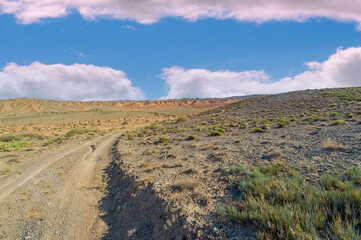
(149, 11)
(66, 82)
(342, 69)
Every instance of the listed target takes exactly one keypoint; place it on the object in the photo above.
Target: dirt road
(58, 196)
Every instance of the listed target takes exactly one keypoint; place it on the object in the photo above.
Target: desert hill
(33, 105)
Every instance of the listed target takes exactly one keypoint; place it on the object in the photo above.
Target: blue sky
(143, 51)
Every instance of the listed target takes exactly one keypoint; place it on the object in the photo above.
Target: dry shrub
(332, 145)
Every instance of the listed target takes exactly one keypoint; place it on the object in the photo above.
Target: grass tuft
(10, 138)
(338, 123)
(163, 139)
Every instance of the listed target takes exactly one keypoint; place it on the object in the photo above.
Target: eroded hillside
(253, 169)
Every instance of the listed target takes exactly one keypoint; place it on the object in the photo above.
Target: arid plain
(283, 166)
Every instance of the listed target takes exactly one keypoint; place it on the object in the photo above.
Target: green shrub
(338, 122)
(282, 124)
(354, 175)
(243, 125)
(14, 145)
(10, 138)
(191, 137)
(30, 135)
(74, 132)
(221, 130)
(284, 206)
(182, 119)
(163, 139)
(237, 169)
(48, 143)
(336, 115)
(350, 115)
(216, 133)
(259, 130)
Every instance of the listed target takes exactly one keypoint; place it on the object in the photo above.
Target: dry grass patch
(145, 164)
(274, 153)
(185, 185)
(285, 206)
(5, 170)
(332, 145)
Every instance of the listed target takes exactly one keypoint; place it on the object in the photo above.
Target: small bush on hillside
(350, 115)
(30, 135)
(259, 130)
(338, 123)
(237, 169)
(282, 124)
(163, 139)
(48, 143)
(191, 137)
(141, 135)
(221, 130)
(10, 138)
(216, 133)
(182, 119)
(74, 132)
(336, 115)
(244, 126)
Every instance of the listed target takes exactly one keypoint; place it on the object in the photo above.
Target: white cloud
(342, 69)
(66, 82)
(149, 11)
